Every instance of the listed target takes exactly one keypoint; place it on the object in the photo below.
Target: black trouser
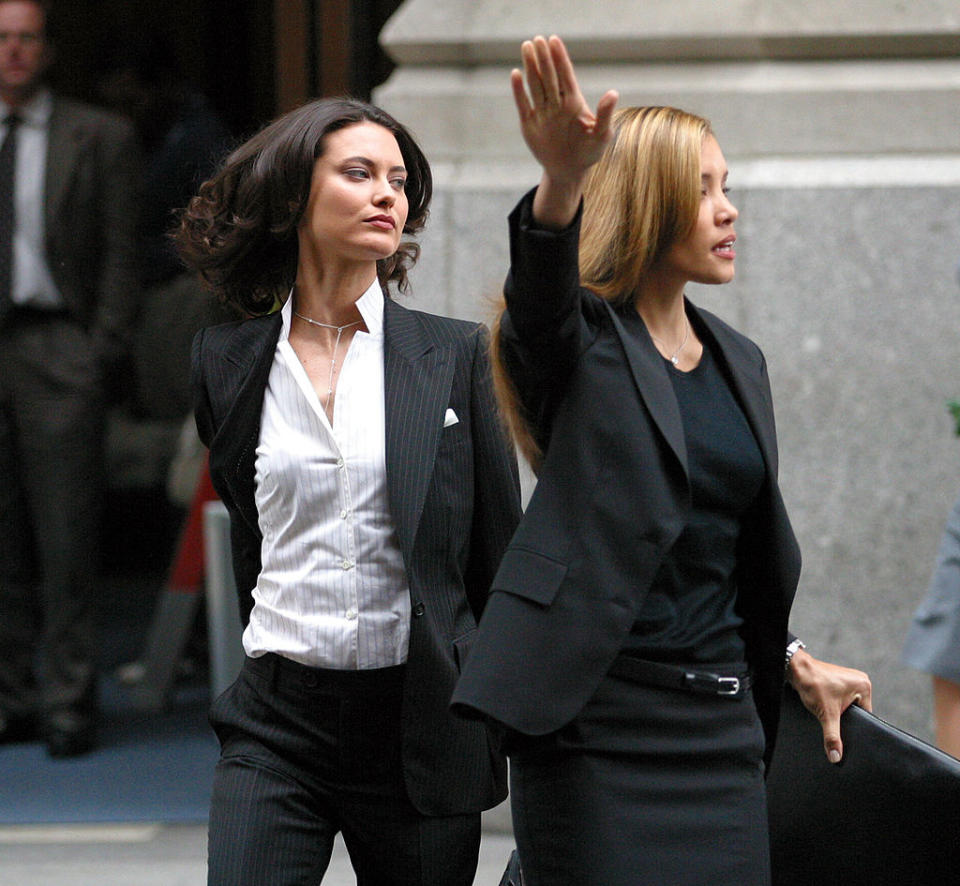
(307, 753)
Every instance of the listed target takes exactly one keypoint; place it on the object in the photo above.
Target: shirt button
(351, 614)
(418, 610)
(344, 514)
(339, 462)
(346, 564)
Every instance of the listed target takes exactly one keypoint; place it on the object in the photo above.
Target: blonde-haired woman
(633, 649)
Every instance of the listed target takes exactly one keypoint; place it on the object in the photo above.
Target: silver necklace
(674, 358)
(336, 344)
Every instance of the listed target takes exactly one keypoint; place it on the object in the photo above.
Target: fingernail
(834, 756)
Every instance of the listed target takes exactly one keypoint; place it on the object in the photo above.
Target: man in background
(68, 285)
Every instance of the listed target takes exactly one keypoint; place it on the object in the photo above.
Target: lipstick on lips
(384, 222)
(725, 247)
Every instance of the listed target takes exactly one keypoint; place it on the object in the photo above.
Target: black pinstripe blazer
(454, 497)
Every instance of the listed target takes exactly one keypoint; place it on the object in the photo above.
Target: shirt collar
(370, 305)
(35, 112)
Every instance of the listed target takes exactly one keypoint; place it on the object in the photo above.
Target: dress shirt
(32, 283)
(332, 590)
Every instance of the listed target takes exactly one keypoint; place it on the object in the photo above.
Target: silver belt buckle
(728, 686)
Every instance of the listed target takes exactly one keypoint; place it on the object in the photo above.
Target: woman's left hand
(827, 690)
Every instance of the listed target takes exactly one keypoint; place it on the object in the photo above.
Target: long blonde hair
(642, 196)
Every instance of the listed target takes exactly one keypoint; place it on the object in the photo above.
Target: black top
(689, 614)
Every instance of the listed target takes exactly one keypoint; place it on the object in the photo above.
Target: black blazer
(612, 497)
(454, 497)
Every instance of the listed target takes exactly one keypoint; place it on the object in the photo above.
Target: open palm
(563, 134)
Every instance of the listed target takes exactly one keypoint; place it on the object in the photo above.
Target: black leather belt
(654, 673)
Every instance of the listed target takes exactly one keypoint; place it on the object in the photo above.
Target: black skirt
(646, 787)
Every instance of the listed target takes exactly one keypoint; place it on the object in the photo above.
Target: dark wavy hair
(240, 231)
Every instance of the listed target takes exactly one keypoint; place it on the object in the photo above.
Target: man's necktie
(8, 159)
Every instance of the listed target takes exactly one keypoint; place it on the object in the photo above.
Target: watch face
(792, 648)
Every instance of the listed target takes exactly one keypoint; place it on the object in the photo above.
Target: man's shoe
(17, 729)
(69, 734)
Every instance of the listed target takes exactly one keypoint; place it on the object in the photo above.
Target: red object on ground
(186, 574)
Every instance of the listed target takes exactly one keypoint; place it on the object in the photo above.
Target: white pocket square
(450, 418)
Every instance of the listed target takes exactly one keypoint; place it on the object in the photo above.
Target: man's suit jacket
(454, 498)
(612, 496)
(89, 212)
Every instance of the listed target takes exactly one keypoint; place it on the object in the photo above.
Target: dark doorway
(233, 51)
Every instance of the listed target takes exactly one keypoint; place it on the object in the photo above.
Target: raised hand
(563, 134)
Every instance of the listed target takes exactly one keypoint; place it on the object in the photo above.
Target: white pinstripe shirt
(332, 591)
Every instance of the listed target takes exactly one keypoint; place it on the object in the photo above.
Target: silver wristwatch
(792, 650)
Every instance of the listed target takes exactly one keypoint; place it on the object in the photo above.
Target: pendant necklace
(674, 358)
(336, 344)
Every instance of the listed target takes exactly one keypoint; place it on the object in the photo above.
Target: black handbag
(512, 876)
(888, 813)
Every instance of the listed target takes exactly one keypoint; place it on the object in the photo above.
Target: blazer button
(418, 610)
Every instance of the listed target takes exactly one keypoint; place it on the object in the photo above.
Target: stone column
(841, 127)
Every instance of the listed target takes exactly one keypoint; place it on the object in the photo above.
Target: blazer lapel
(654, 387)
(418, 379)
(245, 368)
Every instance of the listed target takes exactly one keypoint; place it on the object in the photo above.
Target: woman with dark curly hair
(371, 493)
